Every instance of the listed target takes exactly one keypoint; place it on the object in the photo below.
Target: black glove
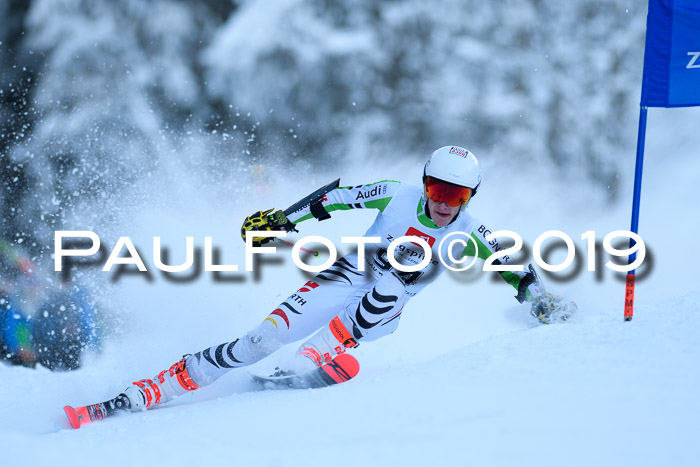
(263, 220)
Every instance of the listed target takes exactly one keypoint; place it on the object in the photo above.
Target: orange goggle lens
(440, 191)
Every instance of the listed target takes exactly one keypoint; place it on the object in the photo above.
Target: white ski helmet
(455, 165)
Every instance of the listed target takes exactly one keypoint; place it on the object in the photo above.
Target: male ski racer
(347, 304)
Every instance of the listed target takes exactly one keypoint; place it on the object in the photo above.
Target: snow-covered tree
(118, 89)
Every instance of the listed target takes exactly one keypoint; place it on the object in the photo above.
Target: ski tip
(72, 416)
(342, 368)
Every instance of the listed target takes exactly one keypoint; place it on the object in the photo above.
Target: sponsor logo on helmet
(459, 151)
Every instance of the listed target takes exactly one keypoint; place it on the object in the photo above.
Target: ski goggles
(453, 195)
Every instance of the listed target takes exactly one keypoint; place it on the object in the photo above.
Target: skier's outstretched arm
(545, 306)
(371, 196)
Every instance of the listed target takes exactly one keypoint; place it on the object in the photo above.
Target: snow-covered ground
(469, 378)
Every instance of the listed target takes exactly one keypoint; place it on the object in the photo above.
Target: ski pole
(315, 196)
(305, 250)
